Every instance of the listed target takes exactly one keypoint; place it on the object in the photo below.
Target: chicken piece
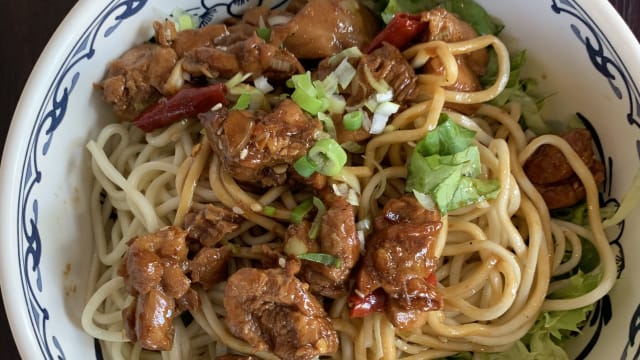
(447, 27)
(209, 223)
(137, 78)
(273, 310)
(252, 55)
(548, 164)
(258, 148)
(337, 237)
(385, 63)
(209, 266)
(188, 39)
(153, 270)
(399, 259)
(324, 27)
(552, 175)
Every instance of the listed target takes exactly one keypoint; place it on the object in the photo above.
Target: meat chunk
(552, 175)
(136, 79)
(153, 270)
(209, 266)
(258, 148)
(273, 310)
(252, 55)
(337, 237)
(324, 27)
(385, 63)
(399, 259)
(154, 315)
(209, 223)
(447, 27)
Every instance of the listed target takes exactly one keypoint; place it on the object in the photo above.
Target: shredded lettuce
(445, 166)
(467, 10)
(551, 330)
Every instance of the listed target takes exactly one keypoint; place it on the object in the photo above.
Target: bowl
(580, 51)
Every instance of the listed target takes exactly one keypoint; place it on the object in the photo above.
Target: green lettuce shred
(445, 165)
(467, 10)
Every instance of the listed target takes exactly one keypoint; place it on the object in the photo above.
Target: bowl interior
(583, 55)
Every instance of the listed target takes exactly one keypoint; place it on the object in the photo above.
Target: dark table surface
(26, 27)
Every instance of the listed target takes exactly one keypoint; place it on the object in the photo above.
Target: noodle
(496, 258)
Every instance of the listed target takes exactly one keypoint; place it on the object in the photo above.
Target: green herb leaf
(467, 10)
(325, 259)
(264, 33)
(445, 166)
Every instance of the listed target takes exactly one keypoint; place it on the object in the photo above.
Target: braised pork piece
(257, 148)
(400, 260)
(337, 237)
(552, 175)
(273, 310)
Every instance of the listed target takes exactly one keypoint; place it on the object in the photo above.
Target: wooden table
(26, 27)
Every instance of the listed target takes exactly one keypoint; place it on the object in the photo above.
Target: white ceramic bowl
(580, 50)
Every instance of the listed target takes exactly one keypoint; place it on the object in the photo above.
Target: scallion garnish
(305, 167)
(269, 210)
(324, 259)
(328, 156)
(243, 102)
(264, 33)
(300, 211)
(353, 120)
(317, 222)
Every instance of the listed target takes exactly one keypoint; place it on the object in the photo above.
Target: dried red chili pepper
(188, 102)
(362, 306)
(399, 31)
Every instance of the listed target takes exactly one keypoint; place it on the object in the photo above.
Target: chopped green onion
(317, 222)
(311, 98)
(184, 20)
(237, 79)
(309, 103)
(305, 167)
(352, 52)
(328, 156)
(262, 84)
(243, 102)
(269, 210)
(353, 120)
(264, 33)
(345, 72)
(337, 103)
(300, 211)
(328, 125)
(324, 259)
(353, 147)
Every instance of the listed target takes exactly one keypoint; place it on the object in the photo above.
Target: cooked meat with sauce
(208, 224)
(447, 27)
(337, 237)
(258, 148)
(137, 78)
(399, 259)
(154, 273)
(385, 63)
(273, 310)
(209, 266)
(552, 175)
(253, 55)
(322, 28)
